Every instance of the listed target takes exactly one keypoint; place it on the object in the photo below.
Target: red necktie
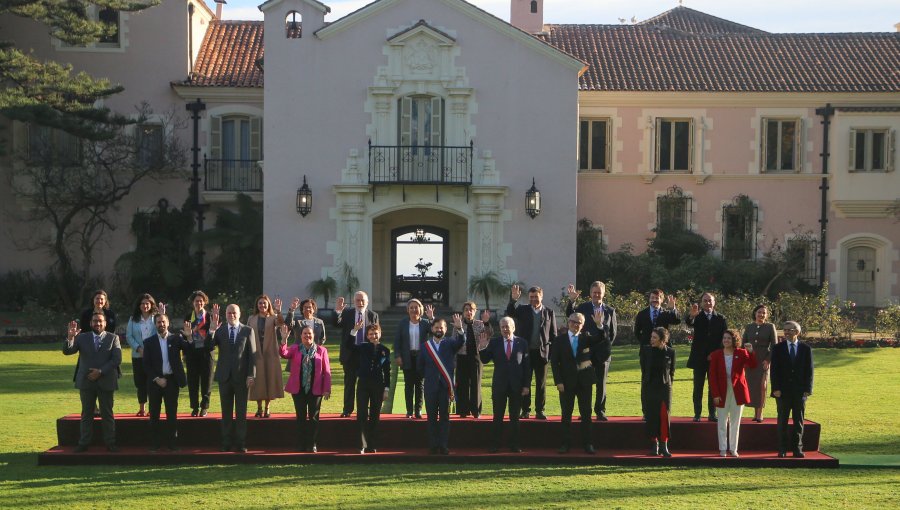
(509, 348)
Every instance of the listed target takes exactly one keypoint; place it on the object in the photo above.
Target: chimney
(897, 26)
(527, 15)
(219, 4)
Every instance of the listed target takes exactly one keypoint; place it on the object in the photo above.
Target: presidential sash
(432, 351)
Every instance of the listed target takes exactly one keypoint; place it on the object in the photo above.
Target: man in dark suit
(235, 372)
(100, 354)
(792, 383)
(600, 321)
(570, 360)
(537, 325)
(709, 327)
(436, 363)
(165, 378)
(511, 381)
(654, 316)
(412, 333)
(353, 322)
(468, 363)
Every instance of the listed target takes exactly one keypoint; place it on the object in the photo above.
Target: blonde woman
(269, 383)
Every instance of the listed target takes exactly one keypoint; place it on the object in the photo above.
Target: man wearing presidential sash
(437, 364)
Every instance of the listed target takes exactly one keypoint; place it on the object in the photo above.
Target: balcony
(420, 164)
(232, 175)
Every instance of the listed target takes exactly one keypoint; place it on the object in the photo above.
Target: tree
(75, 186)
(324, 287)
(486, 284)
(239, 235)
(48, 93)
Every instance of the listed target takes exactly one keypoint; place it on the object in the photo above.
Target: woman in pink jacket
(728, 386)
(310, 380)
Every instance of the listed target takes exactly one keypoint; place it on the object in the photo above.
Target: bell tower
(527, 15)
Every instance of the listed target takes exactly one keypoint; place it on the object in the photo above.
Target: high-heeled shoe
(258, 413)
(664, 449)
(267, 414)
(654, 449)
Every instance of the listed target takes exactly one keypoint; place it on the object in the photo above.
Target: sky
(768, 15)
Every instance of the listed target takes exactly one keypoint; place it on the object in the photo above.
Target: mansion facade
(422, 128)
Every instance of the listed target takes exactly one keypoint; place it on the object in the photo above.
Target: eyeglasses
(790, 329)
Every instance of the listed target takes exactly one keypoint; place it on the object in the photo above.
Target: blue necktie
(574, 340)
(231, 334)
(653, 314)
(97, 343)
(793, 352)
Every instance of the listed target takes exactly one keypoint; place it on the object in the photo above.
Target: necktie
(231, 334)
(509, 348)
(793, 352)
(360, 335)
(97, 343)
(653, 314)
(574, 341)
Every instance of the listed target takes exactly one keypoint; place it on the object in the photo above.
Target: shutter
(852, 152)
(654, 165)
(607, 150)
(690, 167)
(799, 136)
(763, 148)
(215, 137)
(405, 119)
(437, 121)
(255, 138)
(891, 153)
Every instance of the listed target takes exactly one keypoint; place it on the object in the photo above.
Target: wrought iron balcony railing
(232, 175)
(420, 164)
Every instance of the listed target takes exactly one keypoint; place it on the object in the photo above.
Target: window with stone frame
(149, 144)
(739, 228)
(872, 150)
(673, 210)
(803, 253)
(781, 145)
(674, 145)
(49, 146)
(593, 145)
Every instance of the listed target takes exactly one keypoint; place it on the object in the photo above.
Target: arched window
(292, 25)
(534, 7)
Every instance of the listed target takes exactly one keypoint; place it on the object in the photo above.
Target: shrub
(887, 321)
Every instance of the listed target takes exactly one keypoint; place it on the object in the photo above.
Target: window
(739, 229)
(673, 210)
(234, 152)
(149, 142)
(421, 135)
(534, 7)
(593, 145)
(871, 150)
(110, 18)
(292, 25)
(781, 146)
(803, 253)
(674, 145)
(49, 146)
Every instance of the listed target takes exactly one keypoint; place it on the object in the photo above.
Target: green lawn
(855, 399)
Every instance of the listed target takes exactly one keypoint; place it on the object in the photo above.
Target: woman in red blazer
(309, 382)
(728, 386)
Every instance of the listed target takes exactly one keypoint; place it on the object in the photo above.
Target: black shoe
(240, 449)
(345, 415)
(444, 450)
(515, 449)
(115, 449)
(173, 448)
(540, 416)
(409, 416)
(664, 450)
(782, 455)
(154, 449)
(463, 415)
(418, 415)
(80, 448)
(525, 415)
(697, 418)
(493, 449)
(371, 450)
(590, 450)
(258, 414)
(203, 412)
(475, 416)
(712, 418)
(799, 454)
(643, 418)
(195, 412)
(225, 448)
(654, 449)
(564, 449)
(602, 417)
(433, 451)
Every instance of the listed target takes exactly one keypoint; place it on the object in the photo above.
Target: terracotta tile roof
(696, 22)
(646, 57)
(229, 54)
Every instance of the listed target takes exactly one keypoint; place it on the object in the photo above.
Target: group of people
(441, 361)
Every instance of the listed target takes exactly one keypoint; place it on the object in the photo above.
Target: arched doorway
(861, 275)
(419, 264)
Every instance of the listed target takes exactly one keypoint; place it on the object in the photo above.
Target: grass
(855, 399)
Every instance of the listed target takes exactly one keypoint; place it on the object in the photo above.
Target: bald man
(235, 373)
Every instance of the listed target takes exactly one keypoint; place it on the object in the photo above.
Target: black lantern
(532, 201)
(304, 199)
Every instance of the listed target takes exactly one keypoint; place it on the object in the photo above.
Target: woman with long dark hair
(140, 327)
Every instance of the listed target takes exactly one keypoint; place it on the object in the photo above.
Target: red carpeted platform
(621, 440)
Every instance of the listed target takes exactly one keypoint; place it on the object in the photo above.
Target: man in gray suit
(235, 372)
(98, 375)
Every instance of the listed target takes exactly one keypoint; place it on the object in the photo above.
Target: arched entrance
(419, 256)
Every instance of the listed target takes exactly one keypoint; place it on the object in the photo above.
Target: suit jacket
(401, 341)
(295, 322)
(107, 359)
(447, 349)
(792, 378)
(524, 317)
(236, 362)
(707, 337)
(511, 374)
(478, 327)
(321, 379)
(571, 369)
(738, 382)
(609, 328)
(153, 362)
(346, 320)
(643, 326)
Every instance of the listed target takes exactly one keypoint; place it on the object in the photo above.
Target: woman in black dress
(658, 369)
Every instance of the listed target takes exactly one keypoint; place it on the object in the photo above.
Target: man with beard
(436, 364)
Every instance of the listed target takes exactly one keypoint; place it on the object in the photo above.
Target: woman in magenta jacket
(728, 386)
(309, 382)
